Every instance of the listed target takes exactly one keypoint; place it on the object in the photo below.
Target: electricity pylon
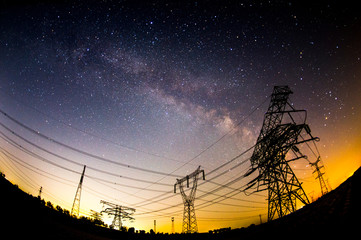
(40, 191)
(96, 216)
(319, 175)
(120, 213)
(189, 215)
(76, 204)
(172, 225)
(280, 135)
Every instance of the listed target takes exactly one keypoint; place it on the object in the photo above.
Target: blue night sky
(155, 85)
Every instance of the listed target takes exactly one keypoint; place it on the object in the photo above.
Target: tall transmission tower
(319, 175)
(40, 191)
(120, 213)
(76, 204)
(189, 215)
(172, 225)
(96, 216)
(280, 135)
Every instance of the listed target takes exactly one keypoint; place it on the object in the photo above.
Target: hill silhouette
(338, 212)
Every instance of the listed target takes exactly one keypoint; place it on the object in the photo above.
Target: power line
(214, 143)
(35, 188)
(52, 140)
(88, 133)
(210, 180)
(42, 172)
(91, 177)
(27, 182)
(203, 150)
(68, 169)
(213, 171)
(227, 219)
(212, 192)
(21, 175)
(10, 156)
(124, 165)
(29, 167)
(69, 160)
(210, 202)
(96, 178)
(81, 151)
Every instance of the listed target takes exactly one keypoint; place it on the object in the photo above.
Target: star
(168, 87)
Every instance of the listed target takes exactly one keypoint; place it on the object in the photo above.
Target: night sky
(150, 91)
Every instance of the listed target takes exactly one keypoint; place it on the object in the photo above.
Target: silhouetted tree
(59, 209)
(49, 204)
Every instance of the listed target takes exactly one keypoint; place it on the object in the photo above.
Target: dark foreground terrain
(336, 214)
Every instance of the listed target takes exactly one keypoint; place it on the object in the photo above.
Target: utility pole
(76, 204)
(189, 215)
(172, 225)
(260, 219)
(120, 213)
(40, 191)
(280, 135)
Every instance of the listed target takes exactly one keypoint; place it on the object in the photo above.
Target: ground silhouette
(335, 214)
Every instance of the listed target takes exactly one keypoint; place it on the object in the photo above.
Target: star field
(154, 84)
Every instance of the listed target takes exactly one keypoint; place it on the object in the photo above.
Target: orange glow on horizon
(337, 171)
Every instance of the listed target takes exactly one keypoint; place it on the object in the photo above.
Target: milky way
(155, 84)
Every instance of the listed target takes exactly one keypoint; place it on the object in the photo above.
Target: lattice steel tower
(76, 204)
(172, 219)
(189, 215)
(280, 135)
(119, 212)
(319, 175)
